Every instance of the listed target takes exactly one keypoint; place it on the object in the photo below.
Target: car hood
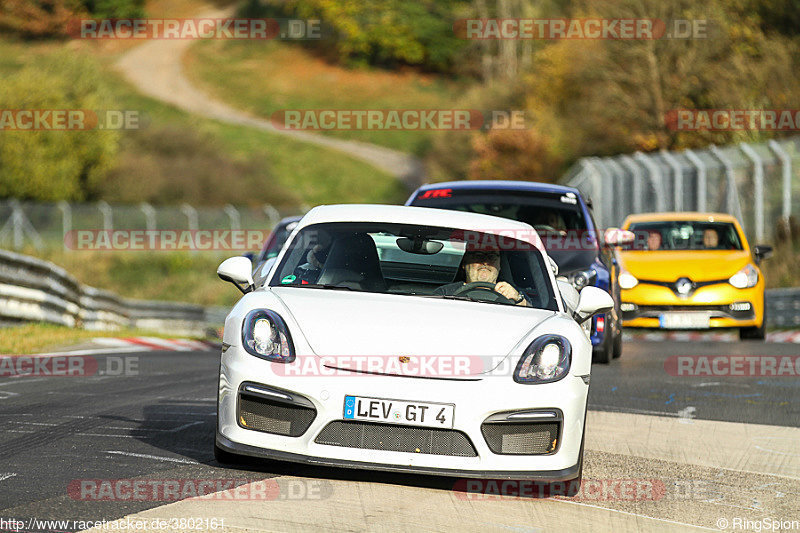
(340, 324)
(697, 265)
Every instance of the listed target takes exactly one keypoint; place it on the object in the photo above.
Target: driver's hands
(509, 292)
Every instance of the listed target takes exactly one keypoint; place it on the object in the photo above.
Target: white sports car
(408, 339)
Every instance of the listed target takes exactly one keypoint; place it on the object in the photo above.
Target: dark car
(272, 246)
(565, 223)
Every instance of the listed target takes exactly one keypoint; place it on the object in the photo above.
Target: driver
(483, 265)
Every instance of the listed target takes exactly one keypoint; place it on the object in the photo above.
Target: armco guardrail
(36, 290)
(783, 308)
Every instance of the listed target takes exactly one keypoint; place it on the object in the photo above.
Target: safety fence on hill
(758, 183)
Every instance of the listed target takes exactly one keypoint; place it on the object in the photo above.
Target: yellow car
(691, 271)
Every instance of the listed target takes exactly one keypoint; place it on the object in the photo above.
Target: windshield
(685, 235)
(412, 260)
(557, 217)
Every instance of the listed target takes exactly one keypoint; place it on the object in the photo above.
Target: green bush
(386, 33)
(115, 9)
(53, 18)
(173, 164)
(51, 165)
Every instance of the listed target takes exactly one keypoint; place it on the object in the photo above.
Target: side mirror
(237, 270)
(761, 251)
(250, 255)
(618, 237)
(592, 301)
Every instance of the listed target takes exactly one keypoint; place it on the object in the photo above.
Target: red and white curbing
(790, 337)
(155, 344)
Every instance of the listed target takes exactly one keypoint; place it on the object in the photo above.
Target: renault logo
(684, 286)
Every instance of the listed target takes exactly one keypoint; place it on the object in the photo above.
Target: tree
(55, 165)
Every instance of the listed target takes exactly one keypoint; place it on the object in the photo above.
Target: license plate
(684, 320)
(439, 415)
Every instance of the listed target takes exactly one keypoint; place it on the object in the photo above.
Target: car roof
(501, 185)
(423, 216)
(680, 215)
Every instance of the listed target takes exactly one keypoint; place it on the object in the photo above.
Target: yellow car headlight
(627, 280)
(745, 278)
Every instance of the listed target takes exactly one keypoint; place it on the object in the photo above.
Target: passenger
(654, 240)
(710, 239)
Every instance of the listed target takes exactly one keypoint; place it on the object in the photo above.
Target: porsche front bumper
(475, 401)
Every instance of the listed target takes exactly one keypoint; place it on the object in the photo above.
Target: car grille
(716, 311)
(396, 438)
(275, 417)
(521, 439)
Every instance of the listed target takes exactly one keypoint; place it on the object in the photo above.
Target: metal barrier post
(233, 215)
(105, 210)
(677, 180)
(702, 178)
(732, 202)
(786, 174)
(758, 184)
(636, 172)
(66, 220)
(149, 216)
(654, 174)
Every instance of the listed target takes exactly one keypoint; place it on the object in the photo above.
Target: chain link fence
(757, 183)
(45, 225)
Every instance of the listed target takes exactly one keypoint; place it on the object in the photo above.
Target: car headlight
(582, 278)
(547, 359)
(265, 335)
(745, 278)
(627, 280)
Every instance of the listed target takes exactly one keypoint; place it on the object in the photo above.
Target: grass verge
(266, 76)
(175, 276)
(39, 337)
(309, 174)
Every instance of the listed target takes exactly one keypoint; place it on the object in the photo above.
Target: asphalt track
(698, 451)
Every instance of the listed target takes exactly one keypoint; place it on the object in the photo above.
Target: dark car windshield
(405, 259)
(277, 239)
(557, 217)
(685, 235)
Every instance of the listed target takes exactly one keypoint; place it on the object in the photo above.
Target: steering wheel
(484, 291)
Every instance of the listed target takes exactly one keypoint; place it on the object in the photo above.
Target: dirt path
(155, 69)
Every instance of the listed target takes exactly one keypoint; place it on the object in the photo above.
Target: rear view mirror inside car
(419, 246)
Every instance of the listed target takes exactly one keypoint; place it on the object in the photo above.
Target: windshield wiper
(321, 286)
(462, 298)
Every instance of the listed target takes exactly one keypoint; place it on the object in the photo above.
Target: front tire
(602, 354)
(617, 345)
(757, 333)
